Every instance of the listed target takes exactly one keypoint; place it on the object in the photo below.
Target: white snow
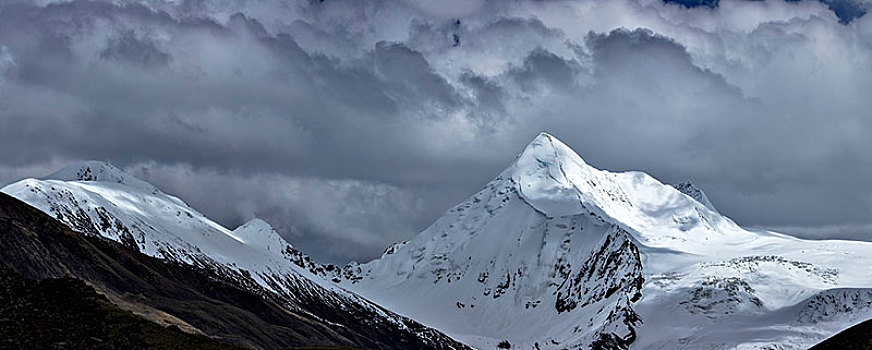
(259, 233)
(97, 171)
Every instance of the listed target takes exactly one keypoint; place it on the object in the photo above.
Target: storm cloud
(351, 125)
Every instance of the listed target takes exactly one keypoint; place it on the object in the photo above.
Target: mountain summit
(98, 171)
(553, 179)
(549, 174)
(261, 233)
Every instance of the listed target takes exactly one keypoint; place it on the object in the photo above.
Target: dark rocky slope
(65, 313)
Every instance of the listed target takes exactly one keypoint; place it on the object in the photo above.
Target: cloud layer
(350, 125)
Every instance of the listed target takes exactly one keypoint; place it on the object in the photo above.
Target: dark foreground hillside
(223, 305)
(65, 313)
(858, 337)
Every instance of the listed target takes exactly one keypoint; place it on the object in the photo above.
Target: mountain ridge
(164, 227)
(98, 171)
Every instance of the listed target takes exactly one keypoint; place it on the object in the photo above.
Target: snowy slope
(98, 199)
(555, 254)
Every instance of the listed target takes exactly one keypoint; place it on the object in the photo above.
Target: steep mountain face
(495, 263)
(555, 254)
(103, 202)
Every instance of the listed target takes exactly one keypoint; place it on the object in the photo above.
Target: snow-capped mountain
(552, 254)
(99, 199)
(557, 254)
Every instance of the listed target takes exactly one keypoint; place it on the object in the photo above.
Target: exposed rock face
(696, 193)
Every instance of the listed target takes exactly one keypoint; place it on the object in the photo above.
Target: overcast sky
(349, 125)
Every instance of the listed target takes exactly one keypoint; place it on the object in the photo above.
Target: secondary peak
(99, 171)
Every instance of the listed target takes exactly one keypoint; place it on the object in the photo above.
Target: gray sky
(349, 125)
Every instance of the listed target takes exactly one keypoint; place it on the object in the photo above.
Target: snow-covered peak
(547, 152)
(256, 225)
(696, 193)
(549, 149)
(541, 173)
(100, 171)
(260, 233)
(554, 180)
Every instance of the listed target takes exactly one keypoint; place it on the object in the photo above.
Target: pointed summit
(548, 149)
(95, 170)
(256, 225)
(546, 174)
(260, 233)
